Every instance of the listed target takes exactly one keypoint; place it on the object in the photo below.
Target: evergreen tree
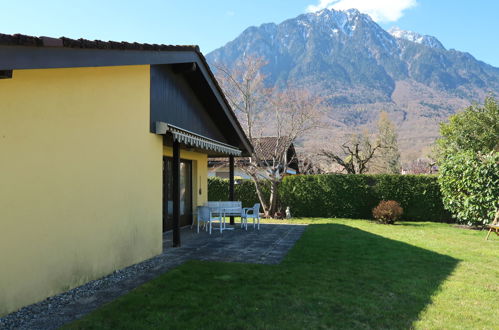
(388, 159)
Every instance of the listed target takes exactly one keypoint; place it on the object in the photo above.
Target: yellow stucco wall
(80, 178)
(199, 174)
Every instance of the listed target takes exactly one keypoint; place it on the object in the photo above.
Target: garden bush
(470, 185)
(387, 212)
(468, 160)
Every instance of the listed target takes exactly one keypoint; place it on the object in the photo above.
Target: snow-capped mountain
(361, 69)
(426, 40)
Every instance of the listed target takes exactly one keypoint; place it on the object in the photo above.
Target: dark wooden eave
(19, 52)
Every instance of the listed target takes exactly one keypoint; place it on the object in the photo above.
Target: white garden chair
(206, 216)
(251, 212)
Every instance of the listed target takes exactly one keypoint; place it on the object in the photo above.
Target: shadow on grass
(336, 276)
(406, 224)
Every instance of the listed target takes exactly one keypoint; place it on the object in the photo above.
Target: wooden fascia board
(22, 57)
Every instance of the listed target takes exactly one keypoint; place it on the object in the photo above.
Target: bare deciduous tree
(421, 166)
(287, 115)
(308, 164)
(244, 88)
(355, 154)
(293, 114)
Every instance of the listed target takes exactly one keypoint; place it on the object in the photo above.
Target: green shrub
(470, 185)
(468, 158)
(387, 212)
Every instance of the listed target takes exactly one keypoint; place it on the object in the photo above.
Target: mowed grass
(340, 274)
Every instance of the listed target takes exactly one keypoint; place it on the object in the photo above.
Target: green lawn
(340, 274)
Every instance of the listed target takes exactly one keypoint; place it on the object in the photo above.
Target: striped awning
(195, 140)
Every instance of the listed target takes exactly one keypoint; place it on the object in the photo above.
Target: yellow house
(103, 146)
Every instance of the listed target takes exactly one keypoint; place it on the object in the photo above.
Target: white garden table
(227, 209)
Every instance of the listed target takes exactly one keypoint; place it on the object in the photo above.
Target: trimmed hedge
(354, 195)
(346, 195)
(419, 195)
(331, 196)
(244, 191)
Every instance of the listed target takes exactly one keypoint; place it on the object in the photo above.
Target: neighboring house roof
(266, 148)
(28, 52)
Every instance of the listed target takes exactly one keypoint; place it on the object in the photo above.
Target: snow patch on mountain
(426, 40)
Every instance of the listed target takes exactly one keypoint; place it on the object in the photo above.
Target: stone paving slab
(269, 245)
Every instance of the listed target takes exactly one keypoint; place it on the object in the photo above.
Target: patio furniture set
(212, 212)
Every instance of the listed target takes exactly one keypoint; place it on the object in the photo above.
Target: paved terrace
(269, 245)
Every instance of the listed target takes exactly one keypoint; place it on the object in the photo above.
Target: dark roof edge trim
(32, 41)
(195, 140)
(215, 86)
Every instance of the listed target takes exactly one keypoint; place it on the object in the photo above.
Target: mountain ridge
(427, 40)
(360, 69)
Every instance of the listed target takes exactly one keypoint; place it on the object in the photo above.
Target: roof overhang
(52, 55)
(196, 140)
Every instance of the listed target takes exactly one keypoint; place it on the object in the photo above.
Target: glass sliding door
(185, 193)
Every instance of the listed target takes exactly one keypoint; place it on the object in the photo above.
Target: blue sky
(470, 26)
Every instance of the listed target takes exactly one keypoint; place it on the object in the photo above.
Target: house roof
(29, 52)
(266, 149)
(265, 146)
(25, 40)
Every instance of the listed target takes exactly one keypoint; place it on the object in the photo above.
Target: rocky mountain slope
(362, 69)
